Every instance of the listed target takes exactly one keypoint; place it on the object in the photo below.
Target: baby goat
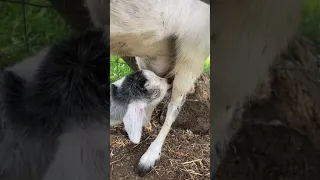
(168, 37)
(130, 98)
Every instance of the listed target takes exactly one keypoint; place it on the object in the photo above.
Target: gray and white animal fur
(172, 38)
(54, 112)
(130, 98)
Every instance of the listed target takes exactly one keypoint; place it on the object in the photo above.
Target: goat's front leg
(187, 73)
(149, 158)
(149, 112)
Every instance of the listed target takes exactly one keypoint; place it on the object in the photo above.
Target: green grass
(207, 65)
(119, 68)
(310, 25)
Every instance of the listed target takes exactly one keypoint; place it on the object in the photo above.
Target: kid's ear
(133, 120)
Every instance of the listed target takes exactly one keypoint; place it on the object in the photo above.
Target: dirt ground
(288, 101)
(263, 152)
(258, 152)
(185, 155)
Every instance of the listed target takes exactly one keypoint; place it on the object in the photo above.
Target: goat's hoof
(142, 170)
(149, 158)
(147, 162)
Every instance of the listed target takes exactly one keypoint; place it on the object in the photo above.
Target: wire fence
(23, 4)
(27, 26)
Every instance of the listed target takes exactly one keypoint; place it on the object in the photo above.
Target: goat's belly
(144, 45)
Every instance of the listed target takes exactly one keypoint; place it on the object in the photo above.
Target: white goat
(172, 38)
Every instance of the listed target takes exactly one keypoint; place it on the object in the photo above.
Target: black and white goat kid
(133, 98)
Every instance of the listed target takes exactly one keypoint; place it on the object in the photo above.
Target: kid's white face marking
(133, 120)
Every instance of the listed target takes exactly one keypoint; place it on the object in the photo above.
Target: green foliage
(310, 25)
(118, 68)
(44, 27)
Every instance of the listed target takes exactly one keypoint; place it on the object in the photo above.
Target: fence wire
(24, 4)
